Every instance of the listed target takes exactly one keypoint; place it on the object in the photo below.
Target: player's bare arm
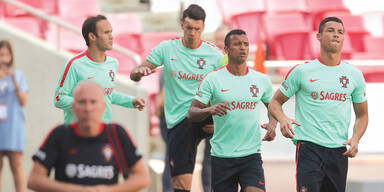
(40, 181)
(199, 111)
(361, 123)
(145, 69)
(270, 127)
(276, 110)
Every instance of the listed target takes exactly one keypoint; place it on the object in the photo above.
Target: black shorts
(183, 140)
(320, 169)
(228, 173)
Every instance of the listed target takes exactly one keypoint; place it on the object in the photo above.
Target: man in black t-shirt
(88, 154)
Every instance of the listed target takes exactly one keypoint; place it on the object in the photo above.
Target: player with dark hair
(88, 154)
(93, 64)
(235, 92)
(325, 88)
(186, 62)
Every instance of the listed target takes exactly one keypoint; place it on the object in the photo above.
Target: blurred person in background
(88, 154)
(13, 97)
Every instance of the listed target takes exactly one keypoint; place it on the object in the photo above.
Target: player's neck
(330, 59)
(191, 45)
(96, 54)
(238, 69)
(89, 130)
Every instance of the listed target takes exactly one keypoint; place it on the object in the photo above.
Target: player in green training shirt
(94, 65)
(325, 88)
(235, 92)
(186, 62)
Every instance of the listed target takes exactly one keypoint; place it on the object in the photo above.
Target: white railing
(62, 24)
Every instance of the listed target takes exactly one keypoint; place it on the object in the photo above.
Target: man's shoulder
(76, 58)
(212, 48)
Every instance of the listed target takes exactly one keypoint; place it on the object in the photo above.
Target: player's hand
(220, 109)
(271, 132)
(286, 127)
(139, 103)
(353, 149)
(143, 71)
(209, 128)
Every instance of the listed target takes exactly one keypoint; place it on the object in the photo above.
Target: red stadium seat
(319, 8)
(126, 64)
(288, 36)
(77, 8)
(150, 40)
(374, 44)
(131, 41)
(67, 39)
(373, 74)
(253, 24)
(374, 49)
(29, 25)
(294, 6)
(48, 6)
(125, 23)
(228, 8)
(346, 53)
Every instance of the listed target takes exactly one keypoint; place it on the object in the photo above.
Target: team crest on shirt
(201, 63)
(254, 90)
(107, 152)
(112, 75)
(314, 95)
(344, 81)
(303, 189)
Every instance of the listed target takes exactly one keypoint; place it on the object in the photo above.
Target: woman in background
(13, 97)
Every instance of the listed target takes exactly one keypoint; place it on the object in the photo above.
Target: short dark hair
(227, 40)
(326, 20)
(89, 26)
(6, 44)
(194, 12)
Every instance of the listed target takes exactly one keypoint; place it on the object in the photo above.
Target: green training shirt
(237, 134)
(323, 100)
(80, 68)
(183, 70)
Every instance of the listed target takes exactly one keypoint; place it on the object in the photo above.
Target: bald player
(82, 153)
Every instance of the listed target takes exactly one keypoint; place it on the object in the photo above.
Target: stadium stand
(288, 36)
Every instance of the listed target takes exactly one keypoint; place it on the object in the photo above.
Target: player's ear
(318, 35)
(91, 36)
(226, 49)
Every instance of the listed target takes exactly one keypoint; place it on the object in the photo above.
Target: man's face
(5, 55)
(89, 105)
(332, 37)
(238, 48)
(192, 29)
(104, 38)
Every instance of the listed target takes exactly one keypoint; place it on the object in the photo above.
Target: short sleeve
(47, 154)
(291, 83)
(268, 94)
(359, 92)
(204, 92)
(22, 81)
(157, 54)
(131, 153)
